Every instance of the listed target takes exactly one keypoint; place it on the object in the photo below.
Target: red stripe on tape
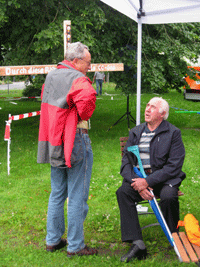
(21, 116)
(7, 132)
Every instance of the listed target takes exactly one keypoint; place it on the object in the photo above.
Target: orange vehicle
(193, 92)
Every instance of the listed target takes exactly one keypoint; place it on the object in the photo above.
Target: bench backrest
(123, 141)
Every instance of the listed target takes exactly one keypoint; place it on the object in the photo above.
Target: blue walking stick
(153, 203)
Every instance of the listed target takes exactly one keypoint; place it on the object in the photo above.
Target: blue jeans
(99, 83)
(72, 183)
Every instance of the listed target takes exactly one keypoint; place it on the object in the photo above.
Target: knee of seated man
(123, 190)
(120, 191)
(169, 193)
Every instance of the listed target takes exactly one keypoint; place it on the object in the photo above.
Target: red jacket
(67, 97)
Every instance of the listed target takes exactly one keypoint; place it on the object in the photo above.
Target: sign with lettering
(107, 67)
(26, 70)
(44, 69)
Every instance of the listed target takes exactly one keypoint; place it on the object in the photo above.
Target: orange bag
(192, 229)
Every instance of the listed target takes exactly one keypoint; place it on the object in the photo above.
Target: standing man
(100, 78)
(68, 101)
(162, 153)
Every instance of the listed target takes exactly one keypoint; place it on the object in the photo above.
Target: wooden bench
(189, 252)
(123, 141)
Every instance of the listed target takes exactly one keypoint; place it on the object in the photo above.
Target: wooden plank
(180, 247)
(107, 67)
(26, 70)
(180, 193)
(123, 138)
(188, 247)
(44, 69)
(122, 144)
(197, 249)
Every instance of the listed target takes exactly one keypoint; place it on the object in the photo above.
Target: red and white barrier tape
(24, 116)
(8, 130)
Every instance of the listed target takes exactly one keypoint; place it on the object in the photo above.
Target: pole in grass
(8, 139)
(153, 203)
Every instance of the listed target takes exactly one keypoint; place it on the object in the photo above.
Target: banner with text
(44, 69)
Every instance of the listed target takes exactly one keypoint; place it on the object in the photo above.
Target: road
(14, 85)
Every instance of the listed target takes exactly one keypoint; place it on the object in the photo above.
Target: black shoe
(62, 244)
(134, 252)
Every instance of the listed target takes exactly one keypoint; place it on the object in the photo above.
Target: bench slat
(188, 247)
(180, 247)
(123, 138)
(197, 250)
(122, 144)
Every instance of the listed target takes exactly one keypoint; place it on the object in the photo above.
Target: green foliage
(31, 32)
(30, 90)
(34, 86)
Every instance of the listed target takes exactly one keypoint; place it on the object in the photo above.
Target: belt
(148, 171)
(82, 125)
(81, 130)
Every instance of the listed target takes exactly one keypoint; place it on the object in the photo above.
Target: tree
(163, 50)
(31, 32)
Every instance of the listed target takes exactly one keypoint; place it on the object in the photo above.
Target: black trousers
(127, 196)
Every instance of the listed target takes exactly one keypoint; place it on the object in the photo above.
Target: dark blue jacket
(167, 154)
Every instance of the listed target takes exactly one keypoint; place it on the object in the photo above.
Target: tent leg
(139, 59)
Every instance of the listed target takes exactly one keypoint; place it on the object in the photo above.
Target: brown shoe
(86, 251)
(60, 245)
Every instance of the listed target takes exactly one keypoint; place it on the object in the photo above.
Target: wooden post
(67, 34)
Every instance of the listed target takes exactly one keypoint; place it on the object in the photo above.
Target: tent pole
(139, 59)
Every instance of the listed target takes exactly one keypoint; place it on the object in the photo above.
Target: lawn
(25, 192)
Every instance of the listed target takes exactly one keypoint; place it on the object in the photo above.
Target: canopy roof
(158, 11)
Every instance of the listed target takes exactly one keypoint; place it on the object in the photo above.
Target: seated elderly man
(162, 153)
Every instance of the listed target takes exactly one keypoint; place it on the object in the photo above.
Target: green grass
(25, 192)
(12, 93)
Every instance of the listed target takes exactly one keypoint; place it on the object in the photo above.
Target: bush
(34, 86)
(31, 90)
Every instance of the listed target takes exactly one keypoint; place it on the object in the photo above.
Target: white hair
(75, 50)
(164, 106)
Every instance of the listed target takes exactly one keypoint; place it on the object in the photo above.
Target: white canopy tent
(154, 12)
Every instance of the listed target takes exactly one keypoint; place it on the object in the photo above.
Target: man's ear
(163, 114)
(74, 61)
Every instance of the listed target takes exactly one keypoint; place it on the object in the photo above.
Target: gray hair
(75, 50)
(164, 106)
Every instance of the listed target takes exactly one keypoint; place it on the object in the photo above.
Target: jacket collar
(163, 127)
(68, 65)
(65, 64)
